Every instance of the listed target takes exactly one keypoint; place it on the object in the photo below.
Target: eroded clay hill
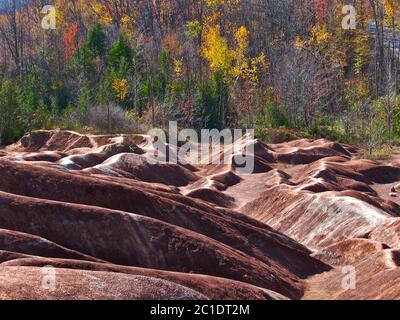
(115, 226)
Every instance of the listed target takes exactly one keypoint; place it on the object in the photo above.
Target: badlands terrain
(116, 227)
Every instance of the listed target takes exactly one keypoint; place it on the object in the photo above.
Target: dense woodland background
(284, 67)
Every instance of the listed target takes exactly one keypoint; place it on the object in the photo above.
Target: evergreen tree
(120, 52)
(84, 103)
(96, 41)
(9, 108)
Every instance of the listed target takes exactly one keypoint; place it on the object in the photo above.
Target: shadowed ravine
(116, 227)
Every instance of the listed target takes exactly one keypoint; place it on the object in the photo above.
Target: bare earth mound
(110, 225)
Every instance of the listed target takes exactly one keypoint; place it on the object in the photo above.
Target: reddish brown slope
(22, 283)
(134, 240)
(211, 287)
(207, 231)
(264, 243)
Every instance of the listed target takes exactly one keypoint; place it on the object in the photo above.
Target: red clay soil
(117, 227)
(377, 277)
(211, 287)
(25, 283)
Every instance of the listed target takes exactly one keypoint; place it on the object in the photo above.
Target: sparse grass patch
(382, 153)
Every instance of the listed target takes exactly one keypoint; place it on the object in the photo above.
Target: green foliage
(96, 41)
(273, 115)
(83, 62)
(28, 101)
(94, 46)
(327, 128)
(211, 103)
(62, 98)
(102, 93)
(9, 105)
(121, 51)
(161, 80)
(84, 103)
(193, 29)
(43, 117)
(396, 119)
(23, 107)
(221, 93)
(205, 107)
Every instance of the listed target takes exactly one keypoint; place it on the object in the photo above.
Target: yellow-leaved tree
(392, 8)
(216, 3)
(120, 87)
(216, 51)
(246, 67)
(242, 61)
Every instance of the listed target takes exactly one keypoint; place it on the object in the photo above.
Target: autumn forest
(288, 68)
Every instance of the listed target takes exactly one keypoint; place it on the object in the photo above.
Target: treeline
(125, 65)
